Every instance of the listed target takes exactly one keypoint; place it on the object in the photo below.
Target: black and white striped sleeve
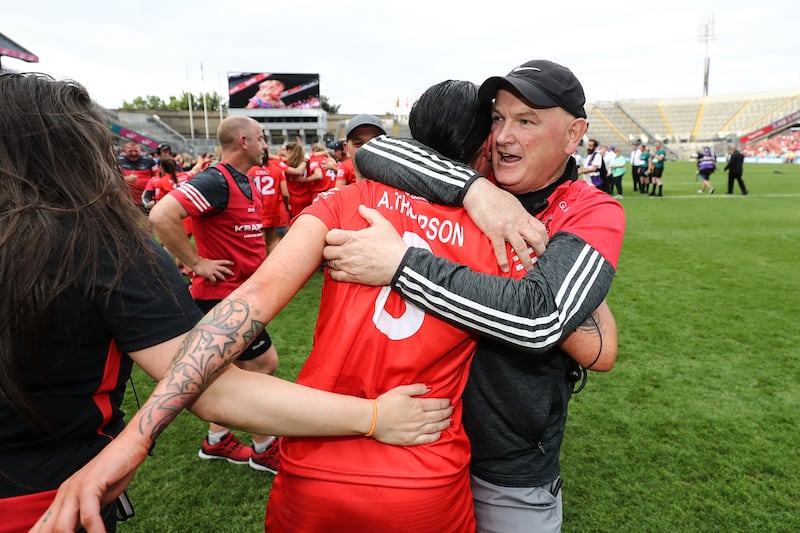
(532, 314)
(415, 168)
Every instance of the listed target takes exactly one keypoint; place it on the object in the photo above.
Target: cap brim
(350, 131)
(531, 93)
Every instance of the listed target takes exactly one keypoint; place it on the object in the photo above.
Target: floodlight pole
(706, 34)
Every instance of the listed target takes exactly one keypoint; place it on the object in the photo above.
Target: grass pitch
(695, 429)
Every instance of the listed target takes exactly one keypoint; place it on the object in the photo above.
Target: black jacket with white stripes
(515, 404)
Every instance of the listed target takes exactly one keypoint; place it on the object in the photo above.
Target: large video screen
(263, 90)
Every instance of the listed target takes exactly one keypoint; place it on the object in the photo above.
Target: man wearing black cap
(339, 153)
(515, 404)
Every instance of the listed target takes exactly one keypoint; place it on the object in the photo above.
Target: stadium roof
(11, 49)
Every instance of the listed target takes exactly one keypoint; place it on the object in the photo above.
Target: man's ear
(575, 132)
(486, 147)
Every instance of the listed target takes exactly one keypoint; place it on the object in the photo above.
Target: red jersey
(233, 232)
(346, 172)
(328, 181)
(382, 342)
(300, 195)
(161, 186)
(268, 179)
(572, 207)
(142, 168)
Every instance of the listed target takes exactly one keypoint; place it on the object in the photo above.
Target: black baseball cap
(164, 147)
(542, 84)
(336, 145)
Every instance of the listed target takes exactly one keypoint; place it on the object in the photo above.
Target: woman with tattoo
(87, 292)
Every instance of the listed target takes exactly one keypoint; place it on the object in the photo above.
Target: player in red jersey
(321, 159)
(360, 129)
(161, 185)
(225, 208)
(270, 179)
(137, 169)
(298, 177)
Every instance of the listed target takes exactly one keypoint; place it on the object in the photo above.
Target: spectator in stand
(636, 161)
(270, 179)
(735, 168)
(616, 168)
(360, 129)
(137, 170)
(218, 200)
(706, 165)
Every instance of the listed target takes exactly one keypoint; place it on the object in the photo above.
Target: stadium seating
(684, 125)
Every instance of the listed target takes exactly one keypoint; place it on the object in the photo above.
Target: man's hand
(503, 219)
(213, 270)
(81, 497)
(369, 256)
(404, 420)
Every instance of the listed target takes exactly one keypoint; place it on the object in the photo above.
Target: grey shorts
(517, 509)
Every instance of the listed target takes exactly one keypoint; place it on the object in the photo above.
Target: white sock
(261, 447)
(215, 437)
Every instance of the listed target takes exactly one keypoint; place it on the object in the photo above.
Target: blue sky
(370, 53)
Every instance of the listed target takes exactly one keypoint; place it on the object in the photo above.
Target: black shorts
(260, 344)
(658, 171)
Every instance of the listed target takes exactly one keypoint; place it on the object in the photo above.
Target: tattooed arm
(236, 398)
(594, 344)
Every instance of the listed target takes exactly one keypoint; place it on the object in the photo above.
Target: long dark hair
(63, 201)
(169, 167)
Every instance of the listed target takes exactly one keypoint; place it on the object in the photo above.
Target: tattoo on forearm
(592, 324)
(593, 327)
(217, 340)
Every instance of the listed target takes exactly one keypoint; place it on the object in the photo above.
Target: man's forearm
(532, 314)
(415, 168)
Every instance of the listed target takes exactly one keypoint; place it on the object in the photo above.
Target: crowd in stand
(786, 146)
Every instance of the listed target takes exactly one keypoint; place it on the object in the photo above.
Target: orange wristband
(374, 418)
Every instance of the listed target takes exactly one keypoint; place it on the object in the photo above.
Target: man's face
(530, 146)
(256, 145)
(591, 147)
(132, 151)
(359, 136)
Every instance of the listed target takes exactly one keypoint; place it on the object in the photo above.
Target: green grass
(693, 430)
